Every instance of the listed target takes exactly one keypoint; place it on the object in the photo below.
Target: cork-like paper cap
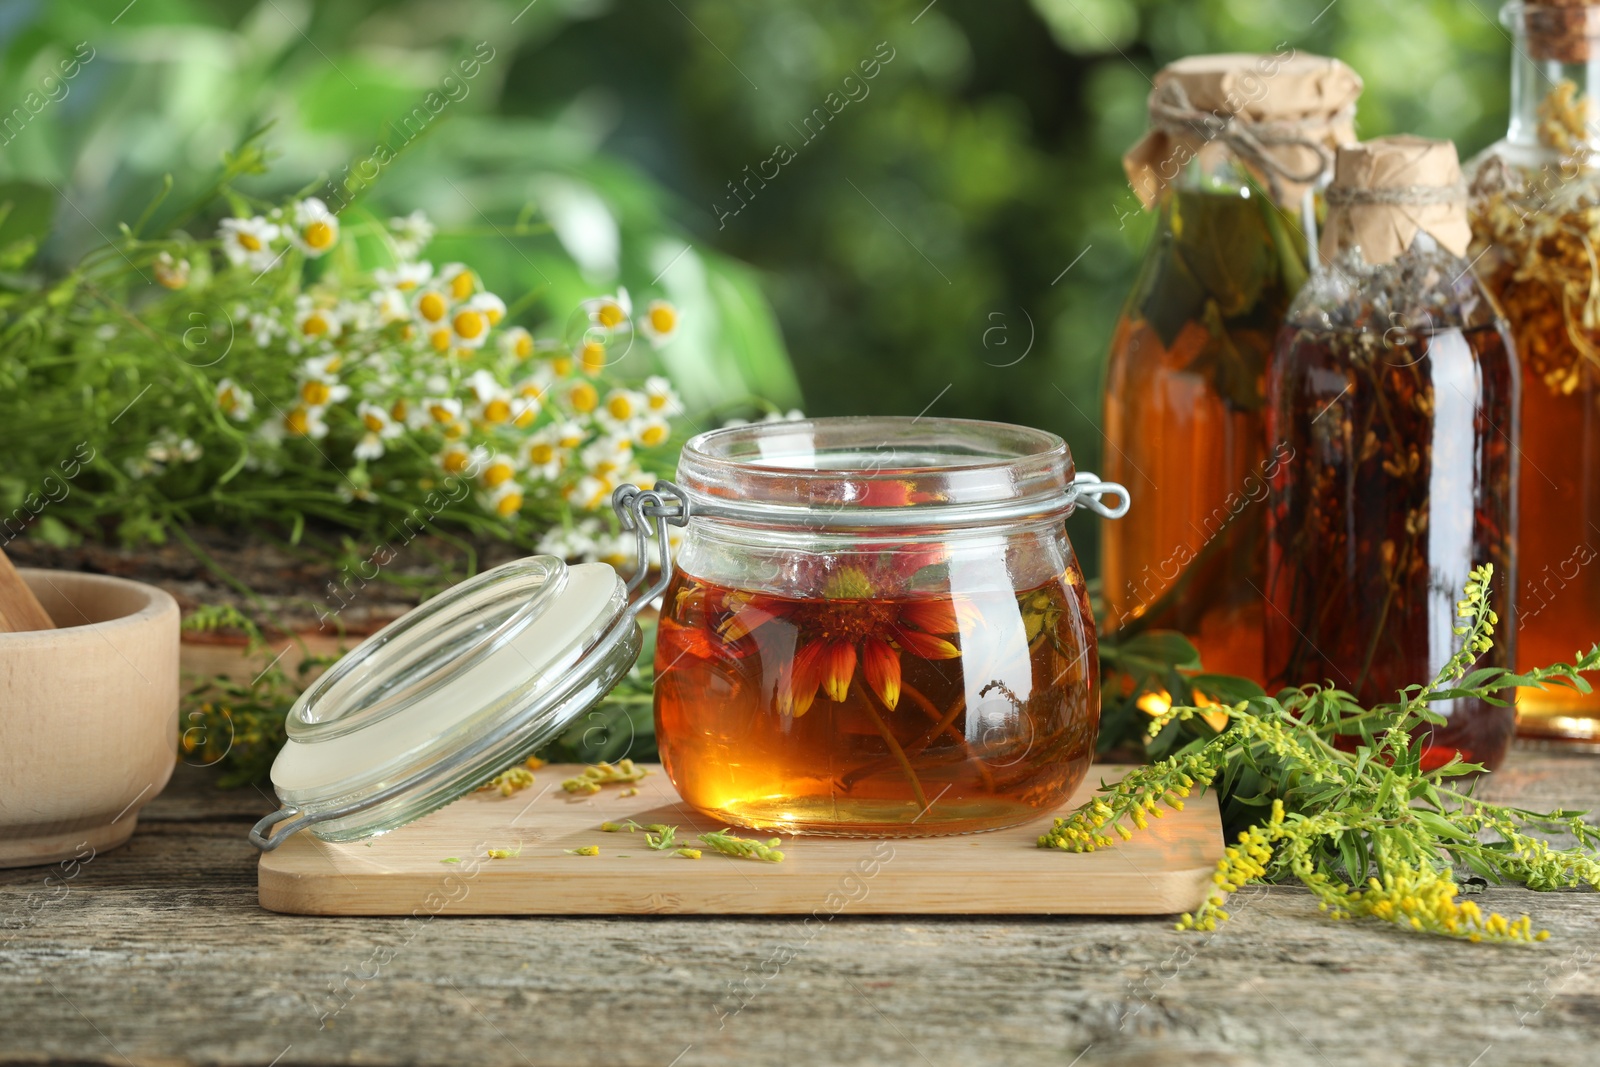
(1567, 31)
(1282, 115)
(1385, 190)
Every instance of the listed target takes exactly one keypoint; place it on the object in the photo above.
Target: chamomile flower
(235, 400)
(170, 448)
(569, 434)
(493, 399)
(458, 280)
(492, 307)
(313, 321)
(516, 343)
(659, 323)
(652, 431)
(411, 233)
(405, 277)
(609, 313)
(432, 308)
(305, 421)
(535, 385)
(319, 382)
(561, 364)
(444, 413)
(469, 327)
(525, 411)
(391, 306)
(248, 242)
(660, 397)
(458, 459)
(544, 454)
(583, 397)
(440, 339)
(622, 406)
(592, 357)
(263, 327)
(171, 273)
(506, 499)
(608, 458)
(316, 229)
(411, 416)
(499, 469)
(379, 425)
(589, 493)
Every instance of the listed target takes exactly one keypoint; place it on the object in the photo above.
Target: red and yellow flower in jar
(877, 627)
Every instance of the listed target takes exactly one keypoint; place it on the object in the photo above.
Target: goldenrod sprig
(1367, 830)
(603, 773)
(725, 842)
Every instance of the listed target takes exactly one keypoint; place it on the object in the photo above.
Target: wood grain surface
(1162, 872)
(158, 953)
(19, 609)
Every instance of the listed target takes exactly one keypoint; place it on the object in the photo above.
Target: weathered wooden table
(158, 954)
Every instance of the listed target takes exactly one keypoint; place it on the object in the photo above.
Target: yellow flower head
(469, 328)
(623, 404)
(592, 356)
(507, 499)
(458, 280)
(517, 343)
(316, 229)
(652, 432)
(431, 306)
(659, 323)
(172, 274)
(610, 313)
(491, 306)
(583, 397)
(499, 470)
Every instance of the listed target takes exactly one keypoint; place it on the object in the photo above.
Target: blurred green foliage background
(956, 239)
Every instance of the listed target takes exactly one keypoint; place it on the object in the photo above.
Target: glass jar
(1393, 396)
(877, 626)
(1185, 373)
(1536, 226)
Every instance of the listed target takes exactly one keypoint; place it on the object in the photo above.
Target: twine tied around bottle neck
(1387, 190)
(1258, 144)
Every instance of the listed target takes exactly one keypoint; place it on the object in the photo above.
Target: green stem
(894, 746)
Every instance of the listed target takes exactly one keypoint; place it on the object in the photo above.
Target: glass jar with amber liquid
(1393, 395)
(1237, 145)
(1536, 230)
(877, 627)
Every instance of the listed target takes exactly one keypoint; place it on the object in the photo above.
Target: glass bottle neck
(1555, 68)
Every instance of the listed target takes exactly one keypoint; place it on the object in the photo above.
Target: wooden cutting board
(1164, 870)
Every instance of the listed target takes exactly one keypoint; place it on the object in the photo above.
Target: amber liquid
(991, 737)
(1181, 452)
(1558, 596)
(1183, 424)
(1401, 481)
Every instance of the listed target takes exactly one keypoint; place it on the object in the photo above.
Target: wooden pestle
(19, 608)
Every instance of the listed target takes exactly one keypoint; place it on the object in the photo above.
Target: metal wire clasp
(647, 513)
(1087, 489)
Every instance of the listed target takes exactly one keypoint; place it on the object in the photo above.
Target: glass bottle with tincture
(1236, 148)
(1536, 231)
(1393, 394)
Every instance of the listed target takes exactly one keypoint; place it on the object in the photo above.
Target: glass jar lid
(886, 472)
(437, 702)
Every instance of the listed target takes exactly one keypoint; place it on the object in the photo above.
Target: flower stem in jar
(898, 752)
